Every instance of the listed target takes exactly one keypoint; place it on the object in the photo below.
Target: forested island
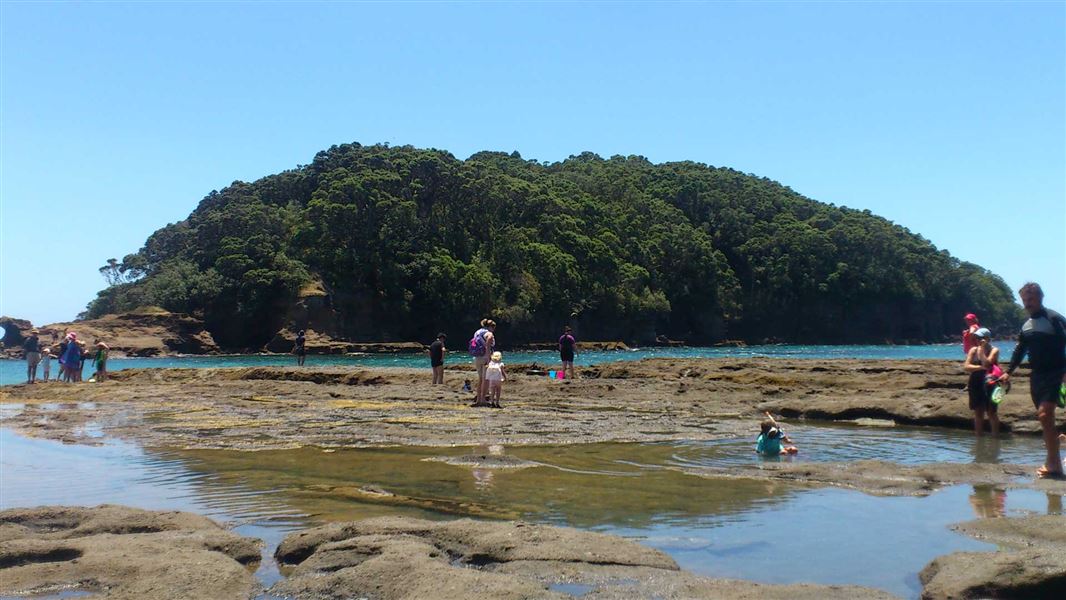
(380, 243)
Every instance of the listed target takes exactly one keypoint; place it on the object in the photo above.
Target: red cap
(971, 317)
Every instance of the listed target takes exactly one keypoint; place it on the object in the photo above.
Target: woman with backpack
(481, 347)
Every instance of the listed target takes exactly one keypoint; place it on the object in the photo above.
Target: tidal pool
(762, 531)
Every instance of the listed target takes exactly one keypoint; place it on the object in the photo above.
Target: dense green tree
(409, 241)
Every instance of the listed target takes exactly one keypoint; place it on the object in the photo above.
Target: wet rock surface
(639, 401)
(1031, 563)
(1019, 574)
(120, 552)
(398, 557)
(887, 478)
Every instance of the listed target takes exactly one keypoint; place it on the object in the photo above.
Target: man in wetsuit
(436, 358)
(1043, 337)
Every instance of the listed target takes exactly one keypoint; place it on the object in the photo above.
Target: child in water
(769, 441)
(495, 375)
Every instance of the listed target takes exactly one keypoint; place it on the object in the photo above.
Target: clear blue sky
(116, 119)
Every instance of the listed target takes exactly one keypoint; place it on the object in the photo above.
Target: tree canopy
(408, 241)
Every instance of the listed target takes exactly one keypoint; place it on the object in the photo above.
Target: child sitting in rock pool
(769, 442)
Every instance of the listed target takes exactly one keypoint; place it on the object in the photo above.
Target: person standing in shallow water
(300, 348)
(981, 361)
(1043, 338)
(436, 358)
(567, 343)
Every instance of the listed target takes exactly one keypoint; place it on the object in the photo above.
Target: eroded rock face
(397, 557)
(1032, 566)
(144, 332)
(121, 552)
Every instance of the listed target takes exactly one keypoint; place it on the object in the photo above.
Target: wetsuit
(436, 354)
(1043, 337)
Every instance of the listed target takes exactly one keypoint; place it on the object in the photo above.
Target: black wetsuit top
(1043, 337)
(31, 344)
(436, 353)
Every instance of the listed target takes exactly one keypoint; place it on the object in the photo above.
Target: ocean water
(14, 371)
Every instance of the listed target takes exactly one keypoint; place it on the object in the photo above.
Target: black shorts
(979, 396)
(436, 363)
(1044, 387)
(566, 356)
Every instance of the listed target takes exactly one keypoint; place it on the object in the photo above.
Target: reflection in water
(988, 501)
(722, 528)
(1054, 504)
(986, 449)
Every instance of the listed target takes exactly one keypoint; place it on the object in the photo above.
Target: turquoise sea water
(14, 371)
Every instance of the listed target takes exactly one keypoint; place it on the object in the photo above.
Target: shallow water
(14, 371)
(713, 527)
(845, 442)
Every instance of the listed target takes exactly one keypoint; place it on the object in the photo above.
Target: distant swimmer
(982, 363)
(1043, 338)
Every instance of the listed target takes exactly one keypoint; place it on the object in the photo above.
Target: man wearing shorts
(1043, 337)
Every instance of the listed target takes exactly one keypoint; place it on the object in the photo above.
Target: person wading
(1043, 338)
(980, 362)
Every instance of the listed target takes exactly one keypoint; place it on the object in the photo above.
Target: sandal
(1043, 473)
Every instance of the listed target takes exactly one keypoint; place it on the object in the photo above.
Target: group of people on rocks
(70, 353)
(1043, 340)
(489, 365)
